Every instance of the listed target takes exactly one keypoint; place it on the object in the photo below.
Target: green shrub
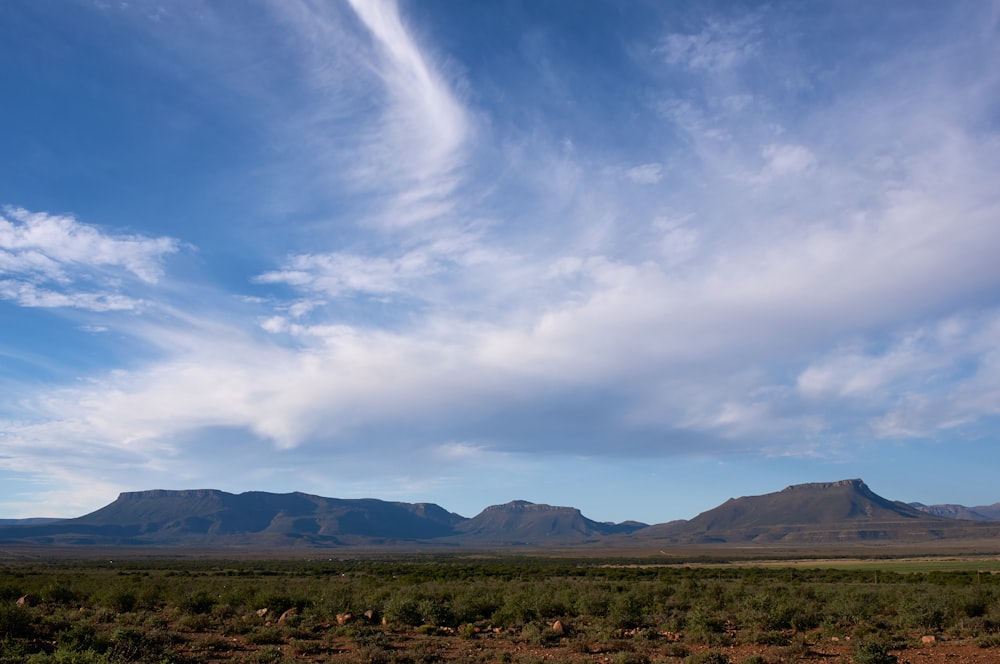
(625, 657)
(268, 655)
(710, 657)
(121, 600)
(58, 592)
(988, 641)
(872, 652)
(81, 637)
(198, 603)
(265, 636)
(15, 622)
(133, 645)
(625, 612)
(403, 610)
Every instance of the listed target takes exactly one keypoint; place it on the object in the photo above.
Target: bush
(199, 603)
(268, 655)
(15, 622)
(710, 657)
(988, 641)
(630, 658)
(403, 610)
(121, 601)
(871, 652)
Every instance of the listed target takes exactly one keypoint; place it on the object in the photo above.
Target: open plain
(696, 605)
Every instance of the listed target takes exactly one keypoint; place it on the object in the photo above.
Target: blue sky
(636, 257)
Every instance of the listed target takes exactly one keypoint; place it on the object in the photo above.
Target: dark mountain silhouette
(831, 512)
(521, 522)
(844, 511)
(980, 513)
(207, 517)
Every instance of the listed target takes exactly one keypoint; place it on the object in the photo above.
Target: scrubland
(496, 609)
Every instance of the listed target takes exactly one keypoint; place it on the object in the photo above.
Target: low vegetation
(433, 609)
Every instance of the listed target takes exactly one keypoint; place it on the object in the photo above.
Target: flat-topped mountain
(818, 513)
(207, 518)
(531, 523)
(841, 511)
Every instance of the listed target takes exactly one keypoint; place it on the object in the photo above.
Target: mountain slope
(825, 511)
(952, 511)
(979, 513)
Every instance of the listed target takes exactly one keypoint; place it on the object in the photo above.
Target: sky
(632, 257)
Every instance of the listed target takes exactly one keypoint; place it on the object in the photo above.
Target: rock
(559, 628)
(284, 616)
(261, 612)
(344, 618)
(928, 639)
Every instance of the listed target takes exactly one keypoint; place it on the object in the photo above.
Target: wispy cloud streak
(46, 259)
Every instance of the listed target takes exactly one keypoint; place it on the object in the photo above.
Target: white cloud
(720, 46)
(786, 160)
(380, 118)
(338, 274)
(29, 295)
(56, 261)
(50, 244)
(645, 173)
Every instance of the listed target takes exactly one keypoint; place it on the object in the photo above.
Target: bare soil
(423, 645)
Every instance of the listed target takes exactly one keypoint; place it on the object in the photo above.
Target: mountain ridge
(840, 511)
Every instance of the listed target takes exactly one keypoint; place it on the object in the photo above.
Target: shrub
(710, 657)
(199, 603)
(872, 652)
(630, 658)
(988, 641)
(132, 645)
(625, 612)
(15, 622)
(268, 655)
(58, 592)
(403, 610)
(755, 658)
(121, 600)
(81, 637)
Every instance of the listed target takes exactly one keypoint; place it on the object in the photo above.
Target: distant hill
(981, 513)
(211, 518)
(819, 513)
(843, 511)
(522, 522)
(207, 517)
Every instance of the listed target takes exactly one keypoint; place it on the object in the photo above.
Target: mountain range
(826, 512)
